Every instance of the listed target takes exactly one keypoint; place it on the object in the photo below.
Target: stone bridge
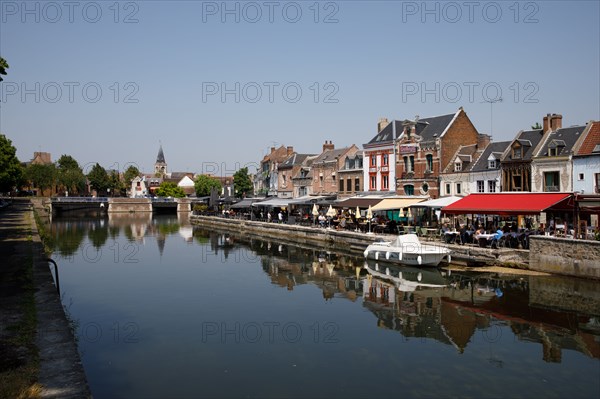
(119, 205)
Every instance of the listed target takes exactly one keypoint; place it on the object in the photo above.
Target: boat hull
(413, 255)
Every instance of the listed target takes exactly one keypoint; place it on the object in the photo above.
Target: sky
(218, 83)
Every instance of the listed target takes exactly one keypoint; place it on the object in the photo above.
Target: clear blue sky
(161, 74)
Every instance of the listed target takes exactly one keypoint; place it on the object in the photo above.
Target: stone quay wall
(579, 258)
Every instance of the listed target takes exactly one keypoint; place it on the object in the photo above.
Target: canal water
(163, 309)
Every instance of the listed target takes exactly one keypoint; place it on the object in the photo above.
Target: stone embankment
(578, 258)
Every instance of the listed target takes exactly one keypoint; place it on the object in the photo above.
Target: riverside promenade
(38, 353)
(576, 258)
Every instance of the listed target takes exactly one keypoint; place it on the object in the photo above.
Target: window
(448, 191)
(492, 164)
(385, 182)
(373, 160)
(373, 183)
(458, 188)
(429, 160)
(409, 189)
(321, 180)
(517, 152)
(597, 180)
(341, 185)
(406, 164)
(357, 184)
(551, 182)
(492, 186)
(385, 159)
(480, 186)
(581, 176)
(412, 163)
(552, 151)
(425, 187)
(348, 184)
(457, 165)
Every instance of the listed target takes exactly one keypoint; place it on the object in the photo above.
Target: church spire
(160, 166)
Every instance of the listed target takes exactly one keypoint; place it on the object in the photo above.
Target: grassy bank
(19, 357)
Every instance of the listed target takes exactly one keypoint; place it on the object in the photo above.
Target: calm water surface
(162, 309)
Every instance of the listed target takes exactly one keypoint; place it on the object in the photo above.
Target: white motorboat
(408, 250)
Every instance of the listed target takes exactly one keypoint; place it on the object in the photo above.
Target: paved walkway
(60, 374)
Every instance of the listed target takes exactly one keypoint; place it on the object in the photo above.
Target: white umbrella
(331, 212)
(357, 213)
(408, 214)
(369, 217)
(315, 210)
(401, 213)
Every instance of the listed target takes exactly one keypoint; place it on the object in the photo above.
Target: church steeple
(160, 166)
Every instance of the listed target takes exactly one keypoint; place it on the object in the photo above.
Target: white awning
(438, 202)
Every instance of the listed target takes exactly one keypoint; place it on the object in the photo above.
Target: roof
(293, 160)
(396, 203)
(386, 135)
(481, 165)
(518, 203)
(428, 128)
(529, 139)
(432, 128)
(562, 139)
(330, 155)
(591, 141)
(160, 158)
(467, 154)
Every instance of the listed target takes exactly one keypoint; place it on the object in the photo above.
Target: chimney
(556, 122)
(383, 122)
(290, 150)
(328, 146)
(483, 140)
(272, 149)
(546, 124)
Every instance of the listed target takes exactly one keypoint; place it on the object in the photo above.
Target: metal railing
(80, 199)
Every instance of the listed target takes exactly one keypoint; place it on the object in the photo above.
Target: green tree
(42, 176)
(537, 126)
(242, 183)
(115, 183)
(204, 184)
(169, 189)
(3, 67)
(98, 178)
(11, 172)
(70, 175)
(130, 173)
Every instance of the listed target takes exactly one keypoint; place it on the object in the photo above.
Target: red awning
(510, 203)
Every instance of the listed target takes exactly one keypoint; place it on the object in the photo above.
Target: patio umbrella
(331, 213)
(401, 213)
(369, 217)
(315, 210)
(357, 216)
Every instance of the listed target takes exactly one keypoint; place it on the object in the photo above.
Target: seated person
(496, 239)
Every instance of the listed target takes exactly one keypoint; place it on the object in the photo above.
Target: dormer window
(555, 147)
(517, 152)
(457, 165)
(492, 164)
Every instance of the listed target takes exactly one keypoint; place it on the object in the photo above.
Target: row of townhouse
(440, 156)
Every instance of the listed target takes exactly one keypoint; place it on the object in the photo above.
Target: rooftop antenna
(492, 102)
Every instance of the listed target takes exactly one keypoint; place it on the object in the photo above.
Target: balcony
(551, 188)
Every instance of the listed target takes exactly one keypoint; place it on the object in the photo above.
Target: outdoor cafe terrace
(495, 219)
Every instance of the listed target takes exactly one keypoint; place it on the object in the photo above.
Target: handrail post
(55, 274)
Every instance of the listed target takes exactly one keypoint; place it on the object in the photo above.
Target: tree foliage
(3, 67)
(242, 183)
(115, 183)
(130, 173)
(204, 184)
(98, 178)
(169, 189)
(42, 176)
(11, 172)
(70, 175)
(537, 126)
